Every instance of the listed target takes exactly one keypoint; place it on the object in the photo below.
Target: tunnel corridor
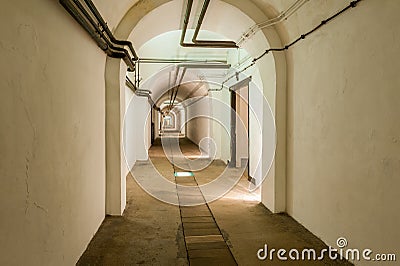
(199, 132)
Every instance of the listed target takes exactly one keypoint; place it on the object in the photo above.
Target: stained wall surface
(343, 131)
(342, 156)
(52, 136)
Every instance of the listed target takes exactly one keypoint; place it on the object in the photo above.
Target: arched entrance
(139, 25)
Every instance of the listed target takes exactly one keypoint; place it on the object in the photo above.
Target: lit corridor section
(228, 231)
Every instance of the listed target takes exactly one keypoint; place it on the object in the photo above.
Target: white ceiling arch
(221, 18)
(222, 21)
(230, 18)
(192, 80)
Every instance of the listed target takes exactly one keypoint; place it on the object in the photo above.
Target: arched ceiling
(221, 18)
(116, 11)
(191, 80)
(157, 34)
(186, 91)
(224, 18)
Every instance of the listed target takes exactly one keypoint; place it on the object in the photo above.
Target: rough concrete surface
(228, 231)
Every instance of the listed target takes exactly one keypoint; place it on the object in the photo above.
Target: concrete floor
(228, 231)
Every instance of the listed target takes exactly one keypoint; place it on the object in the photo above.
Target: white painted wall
(52, 137)
(256, 121)
(115, 111)
(147, 132)
(242, 125)
(137, 138)
(182, 117)
(129, 130)
(198, 125)
(343, 124)
(220, 127)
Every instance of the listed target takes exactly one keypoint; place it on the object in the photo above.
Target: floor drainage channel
(205, 244)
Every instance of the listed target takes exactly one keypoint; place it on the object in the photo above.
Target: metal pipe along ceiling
(99, 31)
(94, 25)
(140, 92)
(130, 84)
(176, 61)
(201, 43)
(176, 87)
(97, 14)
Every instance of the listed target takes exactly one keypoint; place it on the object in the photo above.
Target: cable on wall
(284, 15)
(302, 37)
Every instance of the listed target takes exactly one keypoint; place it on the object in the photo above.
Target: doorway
(240, 130)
